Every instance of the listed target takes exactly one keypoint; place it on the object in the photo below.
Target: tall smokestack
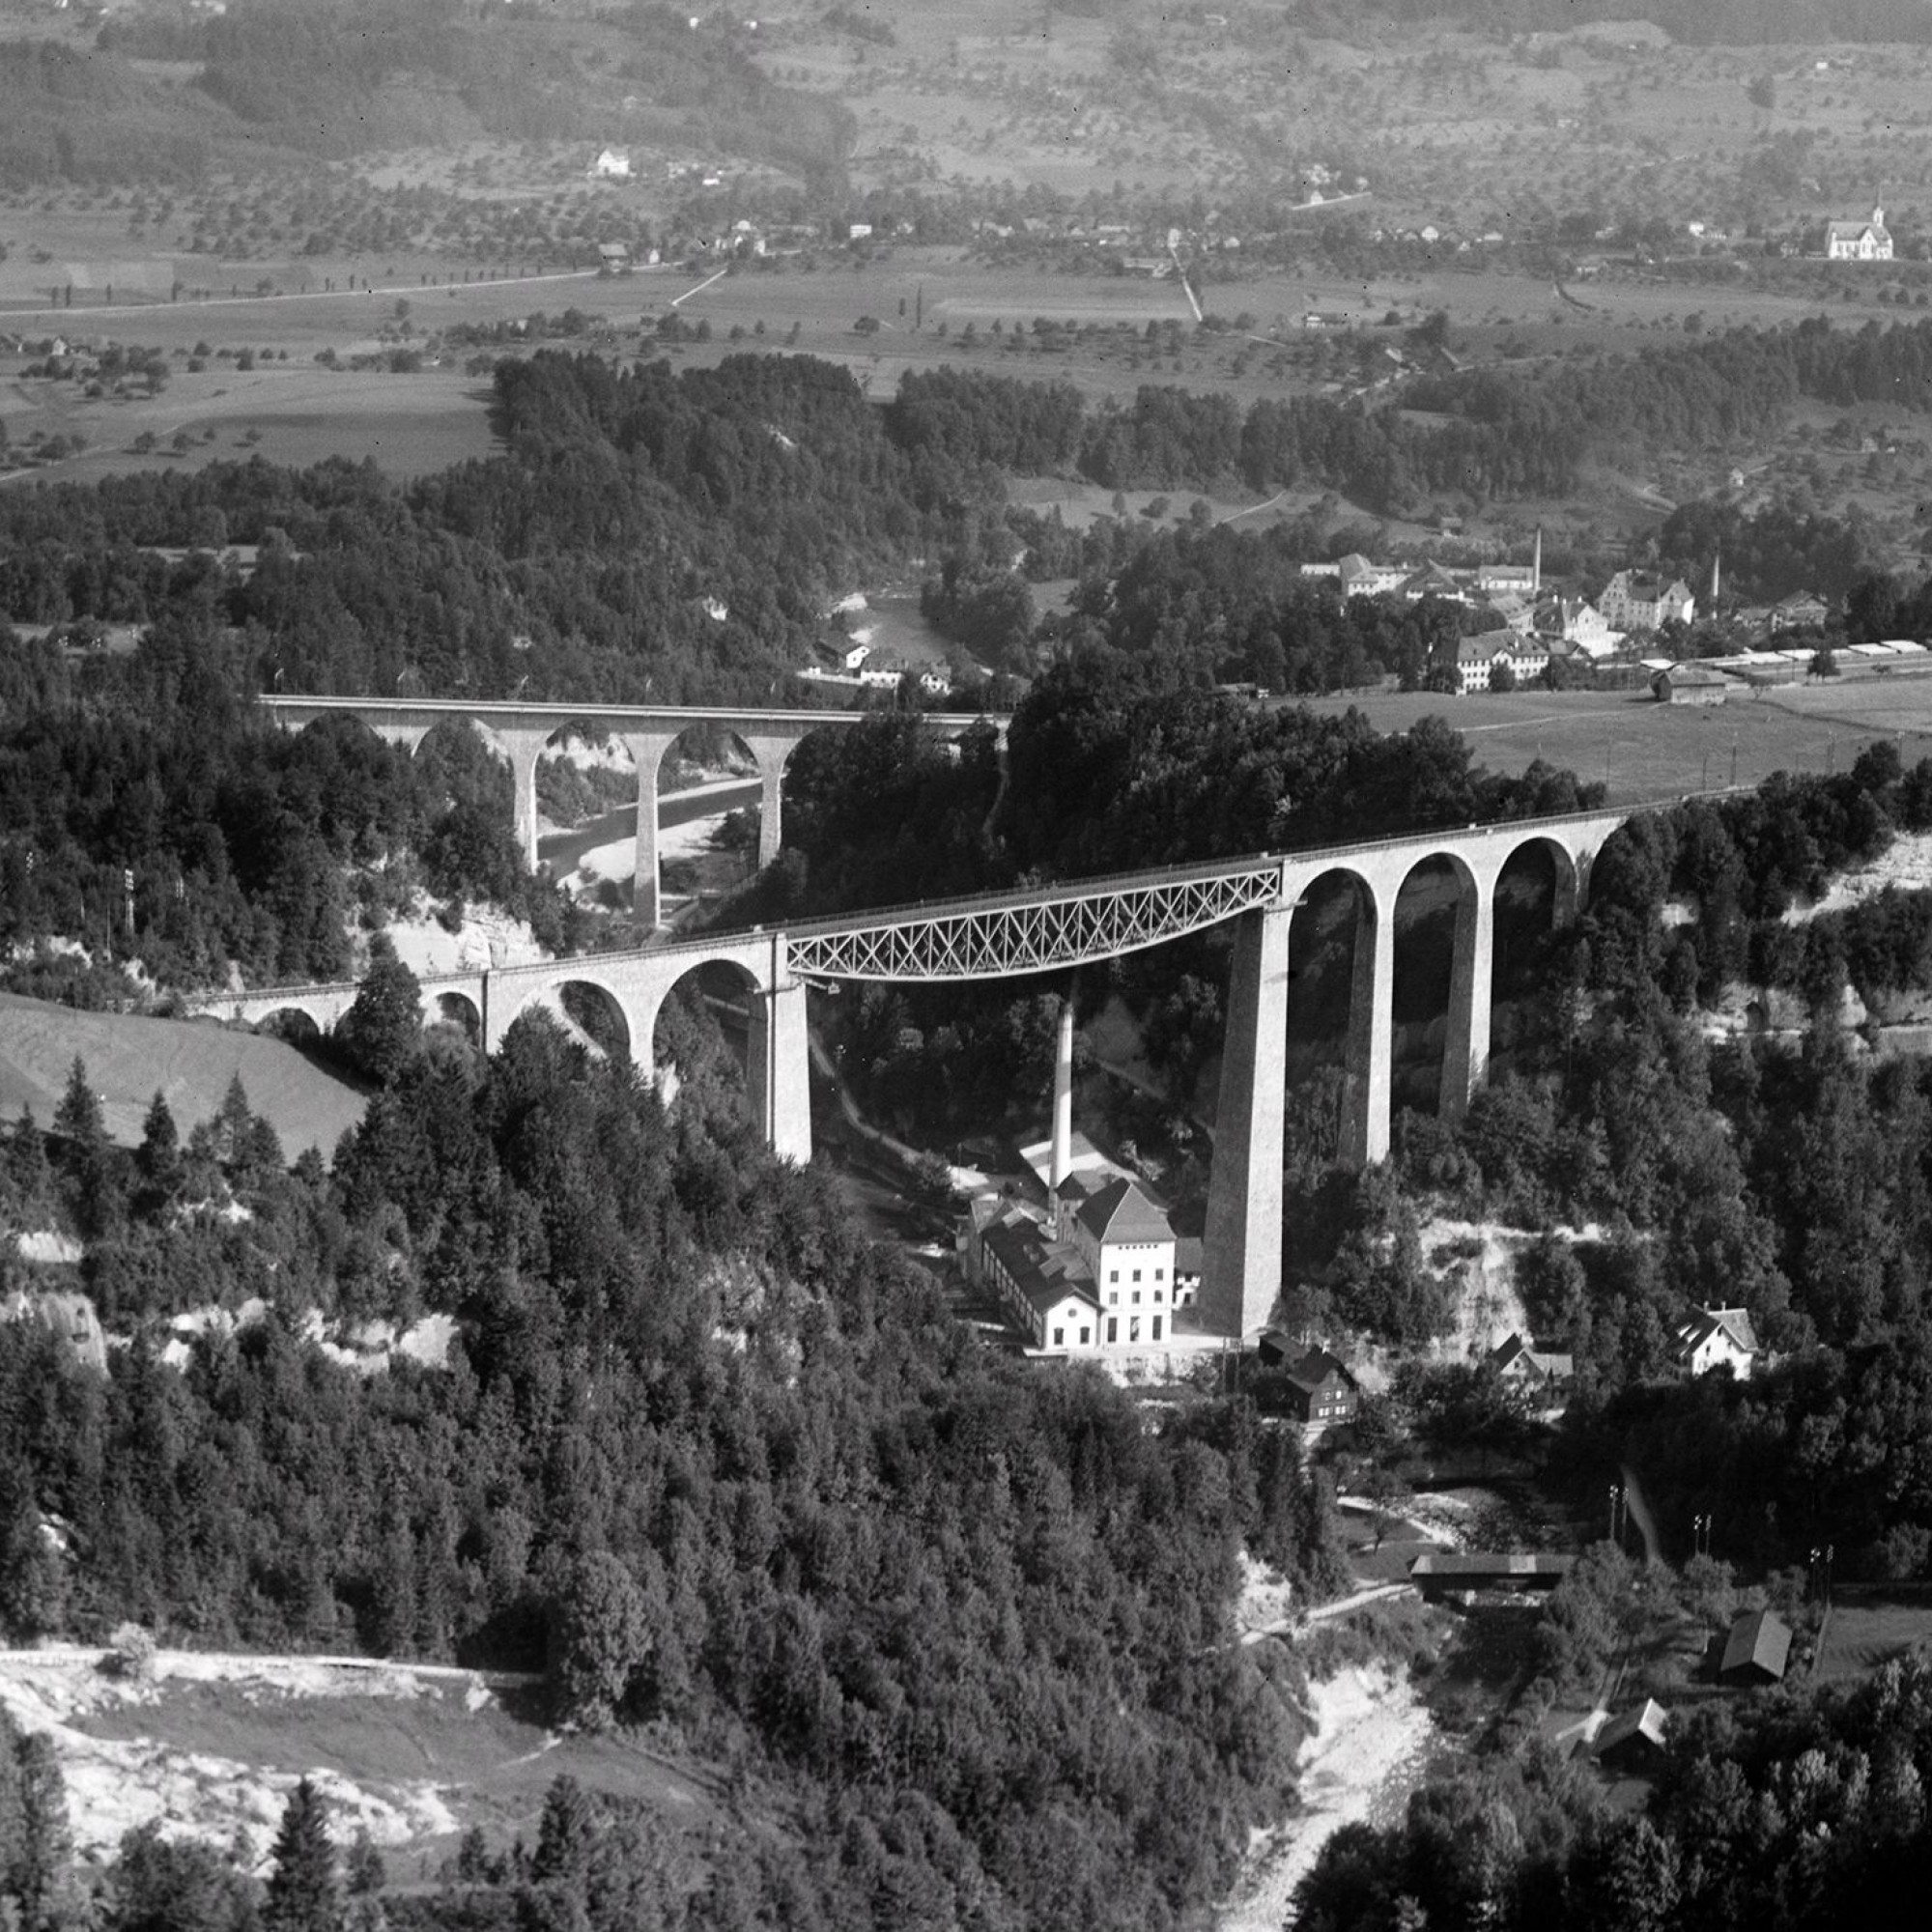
(1062, 1102)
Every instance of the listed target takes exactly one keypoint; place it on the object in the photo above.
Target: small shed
(1756, 1650)
(1691, 684)
(1633, 1741)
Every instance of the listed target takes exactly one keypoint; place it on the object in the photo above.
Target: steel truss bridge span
(1061, 925)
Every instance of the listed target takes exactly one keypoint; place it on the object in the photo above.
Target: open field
(1648, 752)
(130, 1059)
(1869, 1627)
(290, 410)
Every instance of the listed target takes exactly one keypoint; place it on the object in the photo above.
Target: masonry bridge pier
(527, 731)
(1080, 921)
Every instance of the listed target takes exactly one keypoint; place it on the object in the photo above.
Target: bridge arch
(453, 1008)
(1331, 952)
(299, 1024)
(587, 1005)
(702, 1027)
(1443, 909)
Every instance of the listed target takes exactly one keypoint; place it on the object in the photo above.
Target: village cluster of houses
(1530, 631)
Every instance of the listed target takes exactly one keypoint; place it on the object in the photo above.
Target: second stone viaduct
(526, 731)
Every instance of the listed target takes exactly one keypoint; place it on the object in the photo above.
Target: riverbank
(1368, 1752)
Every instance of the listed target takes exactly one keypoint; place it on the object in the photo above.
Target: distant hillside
(1727, 23)
(356, 77)
(189, 1061)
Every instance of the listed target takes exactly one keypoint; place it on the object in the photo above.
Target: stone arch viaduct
(1068, 925)
(648, 731)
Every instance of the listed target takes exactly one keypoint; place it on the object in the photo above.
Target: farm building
(612, 164)
(1633, 1741)
(1691, 684)
(1756, 1650)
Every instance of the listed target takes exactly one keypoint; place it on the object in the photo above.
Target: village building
(1718, 1337)
(1756, 1650)
(1540, 1372)
(1858, 240)
(1360, 578)
(1638, 599)
(612, 164)
(1580, 623)
(1478, 658)
(1803, 610)
(1321, 1393)
(1433, 581)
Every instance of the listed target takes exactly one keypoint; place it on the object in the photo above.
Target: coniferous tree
(44, 1876)
(301, 1892)
(158, 1156)
(381, 1030)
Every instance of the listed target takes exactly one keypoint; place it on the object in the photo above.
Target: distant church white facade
(1858, 240)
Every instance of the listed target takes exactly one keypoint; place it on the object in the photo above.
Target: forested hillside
(709, 1459)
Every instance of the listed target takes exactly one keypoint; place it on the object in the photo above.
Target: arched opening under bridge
(1536, 899)
(704, 1040)
(586, 801)
(1330, 949)
(459, 1014)
(294, 1025)
(1432, 911)
(711, 791)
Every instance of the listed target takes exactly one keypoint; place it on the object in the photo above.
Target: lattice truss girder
(1033, 935)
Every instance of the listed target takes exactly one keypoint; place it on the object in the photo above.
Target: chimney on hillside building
(1063, 1106)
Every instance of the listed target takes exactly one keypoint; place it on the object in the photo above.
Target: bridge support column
(770, 754)
(1241, 1258)
(647, 753)
(1371, 1050)
(780, 1069)
(1465, 1053)
(524, 747)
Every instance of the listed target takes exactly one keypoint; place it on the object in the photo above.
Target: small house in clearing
(1718, 1337)
(1756, 1651)
(612, 164)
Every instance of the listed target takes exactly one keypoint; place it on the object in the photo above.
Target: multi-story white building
(1099, 1276)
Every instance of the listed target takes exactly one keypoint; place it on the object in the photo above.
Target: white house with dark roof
(1718, 1337)
(1045, 1288)
(1537, 1370)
